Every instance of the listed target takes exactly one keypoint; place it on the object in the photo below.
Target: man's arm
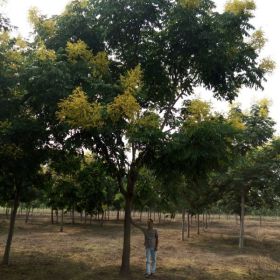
(137, 226)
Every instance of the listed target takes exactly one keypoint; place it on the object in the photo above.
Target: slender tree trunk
(141, 212)
(102, 218)
(183, 223)
(7, 212)
(206, 221)
(198, 225)
(56, 215)
(11, 230)
(242, 205)
(203, 220)
(61, 221)
(52, 216)
(118, 215)
(73, 215)
(27, 215)
(188, 225)
(159, 217)
(125, 267)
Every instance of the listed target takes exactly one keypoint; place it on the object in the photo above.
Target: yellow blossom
(240, 6)
(77, 111)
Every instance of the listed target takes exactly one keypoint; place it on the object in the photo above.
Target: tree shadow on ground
(34, 266)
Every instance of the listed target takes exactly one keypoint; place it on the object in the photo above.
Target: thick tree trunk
(183, 223)
(11, 230)
(125, 267)
(242, 215)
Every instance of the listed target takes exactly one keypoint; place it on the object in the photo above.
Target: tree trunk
(73, 215)
(242, 205)
(203, 220)
(11, 230)
(118, 215)
(56, 215)
(198, 225)
(125, 266)
(183, 223)
(7, 212)
(27, 215)
(159, 217)
(61, 221)
(52, 216)
(188, 225)
(102, 218)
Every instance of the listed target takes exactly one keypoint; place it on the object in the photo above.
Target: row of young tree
(96, 110)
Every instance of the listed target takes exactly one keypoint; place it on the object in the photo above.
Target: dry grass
(41, 252)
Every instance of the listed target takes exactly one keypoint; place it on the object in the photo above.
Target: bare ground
(41, 252)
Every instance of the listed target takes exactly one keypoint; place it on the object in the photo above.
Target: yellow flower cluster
(199, 111)
(258, 40)
(264, 107)
(240, 6)
(235, 118)
(77, 111)
(45, 54)
(126, 105)
(80, 50)
(267, 65)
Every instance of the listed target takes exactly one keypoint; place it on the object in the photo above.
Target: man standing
(151, 245)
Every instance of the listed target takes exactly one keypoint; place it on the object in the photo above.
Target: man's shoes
(147, 275)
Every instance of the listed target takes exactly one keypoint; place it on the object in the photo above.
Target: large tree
(127, 66)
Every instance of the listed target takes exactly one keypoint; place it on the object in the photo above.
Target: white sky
(266, 17)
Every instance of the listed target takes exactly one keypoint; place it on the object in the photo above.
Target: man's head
(150, 224)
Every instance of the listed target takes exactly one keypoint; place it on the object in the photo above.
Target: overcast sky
(266, 17)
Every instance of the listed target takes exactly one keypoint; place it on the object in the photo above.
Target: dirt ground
(41, 252)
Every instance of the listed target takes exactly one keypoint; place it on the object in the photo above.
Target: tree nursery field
(41, 251)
